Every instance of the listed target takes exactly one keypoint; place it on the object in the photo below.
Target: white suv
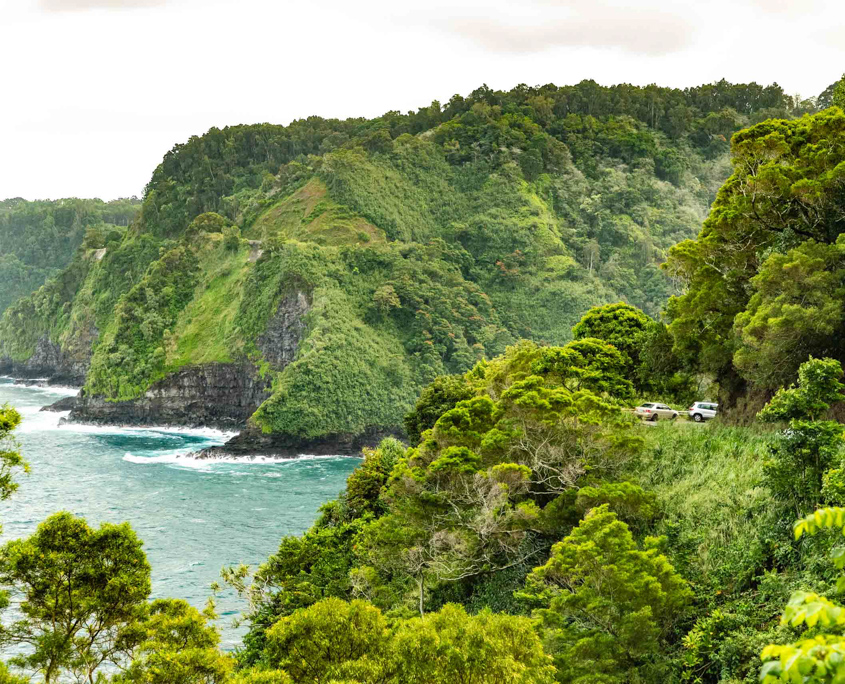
(703, 410)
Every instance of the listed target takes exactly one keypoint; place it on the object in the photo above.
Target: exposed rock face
(285, 330)
(252, 441)
(66, 404)
(221, 395)
(51, 362)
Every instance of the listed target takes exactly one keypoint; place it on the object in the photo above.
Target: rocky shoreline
(219, 396)
(215, 395)
(251, 441)
(49, 363)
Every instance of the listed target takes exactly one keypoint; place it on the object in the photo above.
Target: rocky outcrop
(50, 362)
(285, 330)
(221, 395)
(253, 442)
(62, 405)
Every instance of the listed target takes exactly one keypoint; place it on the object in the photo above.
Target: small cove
(194, 516)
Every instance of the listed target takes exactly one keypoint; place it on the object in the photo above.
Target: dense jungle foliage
(536, 533)
(422, 242)
(532, 530)
(38, 239)
(762, 284)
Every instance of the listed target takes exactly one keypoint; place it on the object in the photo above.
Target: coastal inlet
(195, 516)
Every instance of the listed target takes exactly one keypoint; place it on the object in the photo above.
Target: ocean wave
(211, 434)
(36, 420)
(271, 460)
(59, 390)
(181, 459)
(188, 459)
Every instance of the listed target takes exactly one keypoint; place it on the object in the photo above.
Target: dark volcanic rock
(66, 404)
(221, 395)
(284, 331)
(253, 442)
(51, 363)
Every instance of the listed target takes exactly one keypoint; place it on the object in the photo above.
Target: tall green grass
(707, 479)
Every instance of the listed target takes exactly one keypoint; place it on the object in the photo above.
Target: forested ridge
(422, 242)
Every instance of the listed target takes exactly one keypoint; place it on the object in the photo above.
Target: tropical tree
(328, 641)
(622, 325)
(468, 501)
(338, 641)
(808, 447)
(11, 461)
(452, 646)
(797, 311)
(80, 590)
(172, 643)
(819, 657)
(782, 193)
(605, 604)
(442, 394)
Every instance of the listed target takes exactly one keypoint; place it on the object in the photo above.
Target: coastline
(239, 443)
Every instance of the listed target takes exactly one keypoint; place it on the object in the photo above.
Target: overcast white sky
(94, 92)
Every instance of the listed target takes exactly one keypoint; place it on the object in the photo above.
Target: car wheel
(654, 418)
(674, 415)
(698, 418)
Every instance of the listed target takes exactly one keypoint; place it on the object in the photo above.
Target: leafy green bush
(606, 606)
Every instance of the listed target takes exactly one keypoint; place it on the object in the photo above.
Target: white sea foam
(211, 434)
(37, 420)
(188, 459)
(64, 390)
(61, 390)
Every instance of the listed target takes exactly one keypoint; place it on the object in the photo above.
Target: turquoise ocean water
(193, 516)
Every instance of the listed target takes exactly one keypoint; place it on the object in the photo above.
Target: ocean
(194, 516)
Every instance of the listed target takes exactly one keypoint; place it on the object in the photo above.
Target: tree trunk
(422, 588)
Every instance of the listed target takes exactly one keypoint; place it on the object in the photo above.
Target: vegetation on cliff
(422, 243)
(38, 239)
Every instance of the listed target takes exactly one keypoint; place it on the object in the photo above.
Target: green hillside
(38, 239)
(420, 243)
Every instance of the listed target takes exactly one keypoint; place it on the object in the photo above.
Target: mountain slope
(316, 276)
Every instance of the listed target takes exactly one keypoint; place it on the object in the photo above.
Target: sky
(95, 92)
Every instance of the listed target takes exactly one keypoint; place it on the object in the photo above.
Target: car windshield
(646, 405)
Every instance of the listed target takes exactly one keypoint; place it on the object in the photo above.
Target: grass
(206, 331)
(310, 215)
(707, 479)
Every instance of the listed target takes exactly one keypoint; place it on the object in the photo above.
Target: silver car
(655, 412)
(703, 410)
